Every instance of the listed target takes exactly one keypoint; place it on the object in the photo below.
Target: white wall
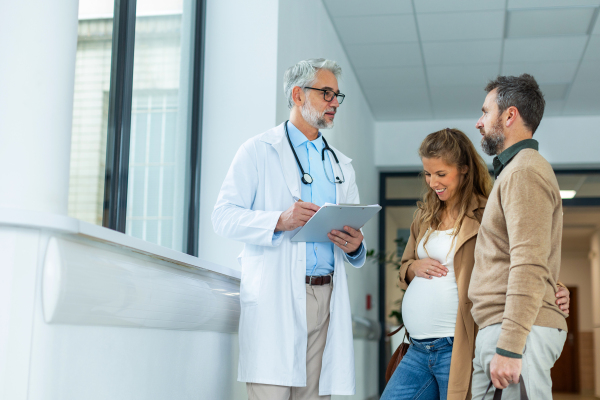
(243, 96)
(239, 101)
(575, 271)
(564, 141)
(353, 135)
(354, 125)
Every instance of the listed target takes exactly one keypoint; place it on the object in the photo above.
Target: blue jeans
(423, 372)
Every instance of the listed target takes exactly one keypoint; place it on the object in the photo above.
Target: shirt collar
(298, 138)
(502, 159)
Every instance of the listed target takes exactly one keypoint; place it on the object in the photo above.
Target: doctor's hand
(349, 241)
(296, 216)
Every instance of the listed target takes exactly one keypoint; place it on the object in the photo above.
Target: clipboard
(335, 216)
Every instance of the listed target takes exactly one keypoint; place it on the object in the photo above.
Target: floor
(569, 396)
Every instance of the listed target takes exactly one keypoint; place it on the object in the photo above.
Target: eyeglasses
(328, 95)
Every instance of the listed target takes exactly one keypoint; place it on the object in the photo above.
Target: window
(90, 111)
(156, 181)
(136, 119)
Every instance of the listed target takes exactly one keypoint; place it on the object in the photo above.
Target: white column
(38, 42)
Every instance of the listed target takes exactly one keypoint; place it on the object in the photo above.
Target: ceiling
(431, 59)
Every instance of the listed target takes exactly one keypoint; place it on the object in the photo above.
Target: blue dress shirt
(319, 256)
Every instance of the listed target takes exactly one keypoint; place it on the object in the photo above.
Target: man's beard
(315, 118)
(492, 143)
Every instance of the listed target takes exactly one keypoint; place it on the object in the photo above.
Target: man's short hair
(523, 93)
(304, 73)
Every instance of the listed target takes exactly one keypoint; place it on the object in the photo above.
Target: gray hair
(303, 74)
(523, 93)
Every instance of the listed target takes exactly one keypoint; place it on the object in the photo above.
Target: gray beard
(493, 143)
(314, 118)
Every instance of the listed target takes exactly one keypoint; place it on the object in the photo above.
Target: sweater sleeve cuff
(512, 337)
(507, 353)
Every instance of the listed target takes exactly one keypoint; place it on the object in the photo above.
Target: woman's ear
(464, 169)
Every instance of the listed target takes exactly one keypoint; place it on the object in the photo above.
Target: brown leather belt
(318, 280)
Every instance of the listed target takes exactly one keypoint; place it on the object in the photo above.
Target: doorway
(565, 373)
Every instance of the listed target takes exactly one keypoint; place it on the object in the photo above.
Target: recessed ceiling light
(567, 194)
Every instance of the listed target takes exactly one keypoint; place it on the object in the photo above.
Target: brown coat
(461, 366)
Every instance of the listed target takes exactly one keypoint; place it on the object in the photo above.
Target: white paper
(334, 216)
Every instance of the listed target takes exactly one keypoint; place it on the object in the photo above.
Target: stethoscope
(306, 178)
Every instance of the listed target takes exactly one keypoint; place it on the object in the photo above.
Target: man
(517, 256)
(295, 325)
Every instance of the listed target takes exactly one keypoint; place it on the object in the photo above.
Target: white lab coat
(259, 186)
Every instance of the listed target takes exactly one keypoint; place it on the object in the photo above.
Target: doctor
(295, 326)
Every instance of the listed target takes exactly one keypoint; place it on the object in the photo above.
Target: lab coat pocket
(252, 267)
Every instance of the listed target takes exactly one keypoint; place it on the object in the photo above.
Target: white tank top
(429, 306)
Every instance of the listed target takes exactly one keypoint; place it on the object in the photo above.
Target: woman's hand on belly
(426, 268)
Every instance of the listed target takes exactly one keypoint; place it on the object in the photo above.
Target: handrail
(68, 225)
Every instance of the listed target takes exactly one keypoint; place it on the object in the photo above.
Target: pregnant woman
(436, 270)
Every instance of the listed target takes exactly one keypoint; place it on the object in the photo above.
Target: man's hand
(296, 216)
(505, 371)
(563, 299)
(348, 241)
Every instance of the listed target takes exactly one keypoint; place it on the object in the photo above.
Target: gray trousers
(542, 349)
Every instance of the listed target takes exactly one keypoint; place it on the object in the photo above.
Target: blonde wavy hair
(454, 148)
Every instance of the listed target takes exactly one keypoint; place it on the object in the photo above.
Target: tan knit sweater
(517, 256)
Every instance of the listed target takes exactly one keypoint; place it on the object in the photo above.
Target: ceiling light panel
(592, 52)
(583, 98)
(381, 78)
(549, 22)
(468, 74)
(551, 3)
(534, 50)
(462, 53)
(547, 72)
(589, 71)
(345, 8)
(428, 6)
(570, 182)
(591, 189)
(377, 29)
(554, 91)
(458, 101)
(554, 108)
(384, 55)
(395, 104)
(461, 26)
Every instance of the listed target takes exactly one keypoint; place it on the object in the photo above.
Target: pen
(297, 199)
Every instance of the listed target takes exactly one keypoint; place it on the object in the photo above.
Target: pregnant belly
(429, 307)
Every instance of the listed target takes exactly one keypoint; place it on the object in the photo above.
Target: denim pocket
(252, 267)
